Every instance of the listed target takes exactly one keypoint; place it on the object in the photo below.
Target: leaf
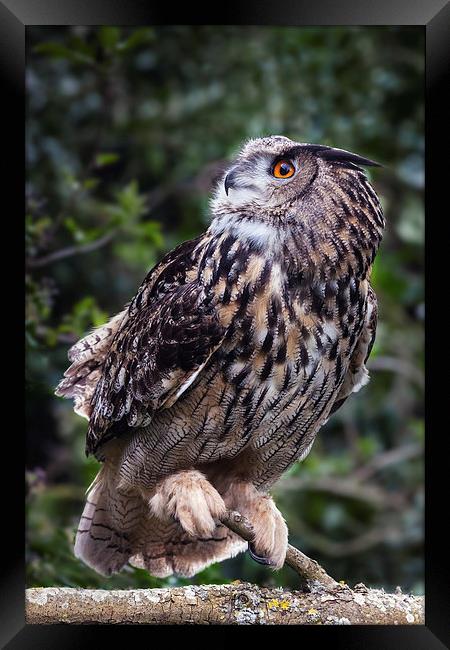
(108, 36)
(37, 227)
(80, 45)
(139, 37)
(136, 254)
(367, 447)
(90, 183)
(129, 207)
(85, 314)
(151, 231)
(103, 159)
(79, 234)
(58, 51)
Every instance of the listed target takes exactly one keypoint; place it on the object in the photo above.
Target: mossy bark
(231, 604)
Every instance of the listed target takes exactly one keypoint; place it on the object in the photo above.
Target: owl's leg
(189, 498)
(271, 533)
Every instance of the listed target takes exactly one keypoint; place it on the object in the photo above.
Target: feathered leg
(189, 498)
(184, 532)
(271, 532)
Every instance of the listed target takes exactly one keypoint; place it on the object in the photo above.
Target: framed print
(225, 239)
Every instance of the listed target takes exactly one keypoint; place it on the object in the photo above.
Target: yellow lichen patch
(285, 604)
(312, 612)
(273, 604)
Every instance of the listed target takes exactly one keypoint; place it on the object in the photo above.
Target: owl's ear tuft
(345, 157)
(340, 155)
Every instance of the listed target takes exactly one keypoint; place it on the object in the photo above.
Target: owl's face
(271, 172)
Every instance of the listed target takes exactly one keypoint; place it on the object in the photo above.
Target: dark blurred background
(127, 131)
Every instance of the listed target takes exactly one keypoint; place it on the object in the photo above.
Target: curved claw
(258, 558)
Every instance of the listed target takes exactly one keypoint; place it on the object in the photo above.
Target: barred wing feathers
(357, 375)
(149, 354)
(87, 357)
(155, 356)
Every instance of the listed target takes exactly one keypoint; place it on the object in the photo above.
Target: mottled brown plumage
(235, 350)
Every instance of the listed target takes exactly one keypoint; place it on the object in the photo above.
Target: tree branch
(233, 604)
(69, 251)
(307, 569)
(390, 457)
(398, 366)
(343, 487)
(325, 602)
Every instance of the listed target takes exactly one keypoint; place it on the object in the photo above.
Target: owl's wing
(87, 357)
(357, 375)
(163, 341)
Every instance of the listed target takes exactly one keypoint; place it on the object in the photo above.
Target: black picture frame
(434, 17)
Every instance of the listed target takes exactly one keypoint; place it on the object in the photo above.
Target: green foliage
(102, 159)
(127, 129)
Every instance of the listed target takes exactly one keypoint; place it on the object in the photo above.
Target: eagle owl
(235, 350)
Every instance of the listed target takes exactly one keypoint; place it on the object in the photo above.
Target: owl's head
(270, 173)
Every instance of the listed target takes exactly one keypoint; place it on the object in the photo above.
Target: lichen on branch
(232, 604)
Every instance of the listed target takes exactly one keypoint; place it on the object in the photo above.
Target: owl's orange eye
(283, 169)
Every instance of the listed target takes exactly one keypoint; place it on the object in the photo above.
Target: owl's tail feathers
(116, 527)
(168, 550)
(109, 526)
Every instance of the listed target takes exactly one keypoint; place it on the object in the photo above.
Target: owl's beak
(227, 184)
(230, 180)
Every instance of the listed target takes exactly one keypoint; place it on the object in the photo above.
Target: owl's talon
(189, 498)
(270, 534)
(258, 558)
